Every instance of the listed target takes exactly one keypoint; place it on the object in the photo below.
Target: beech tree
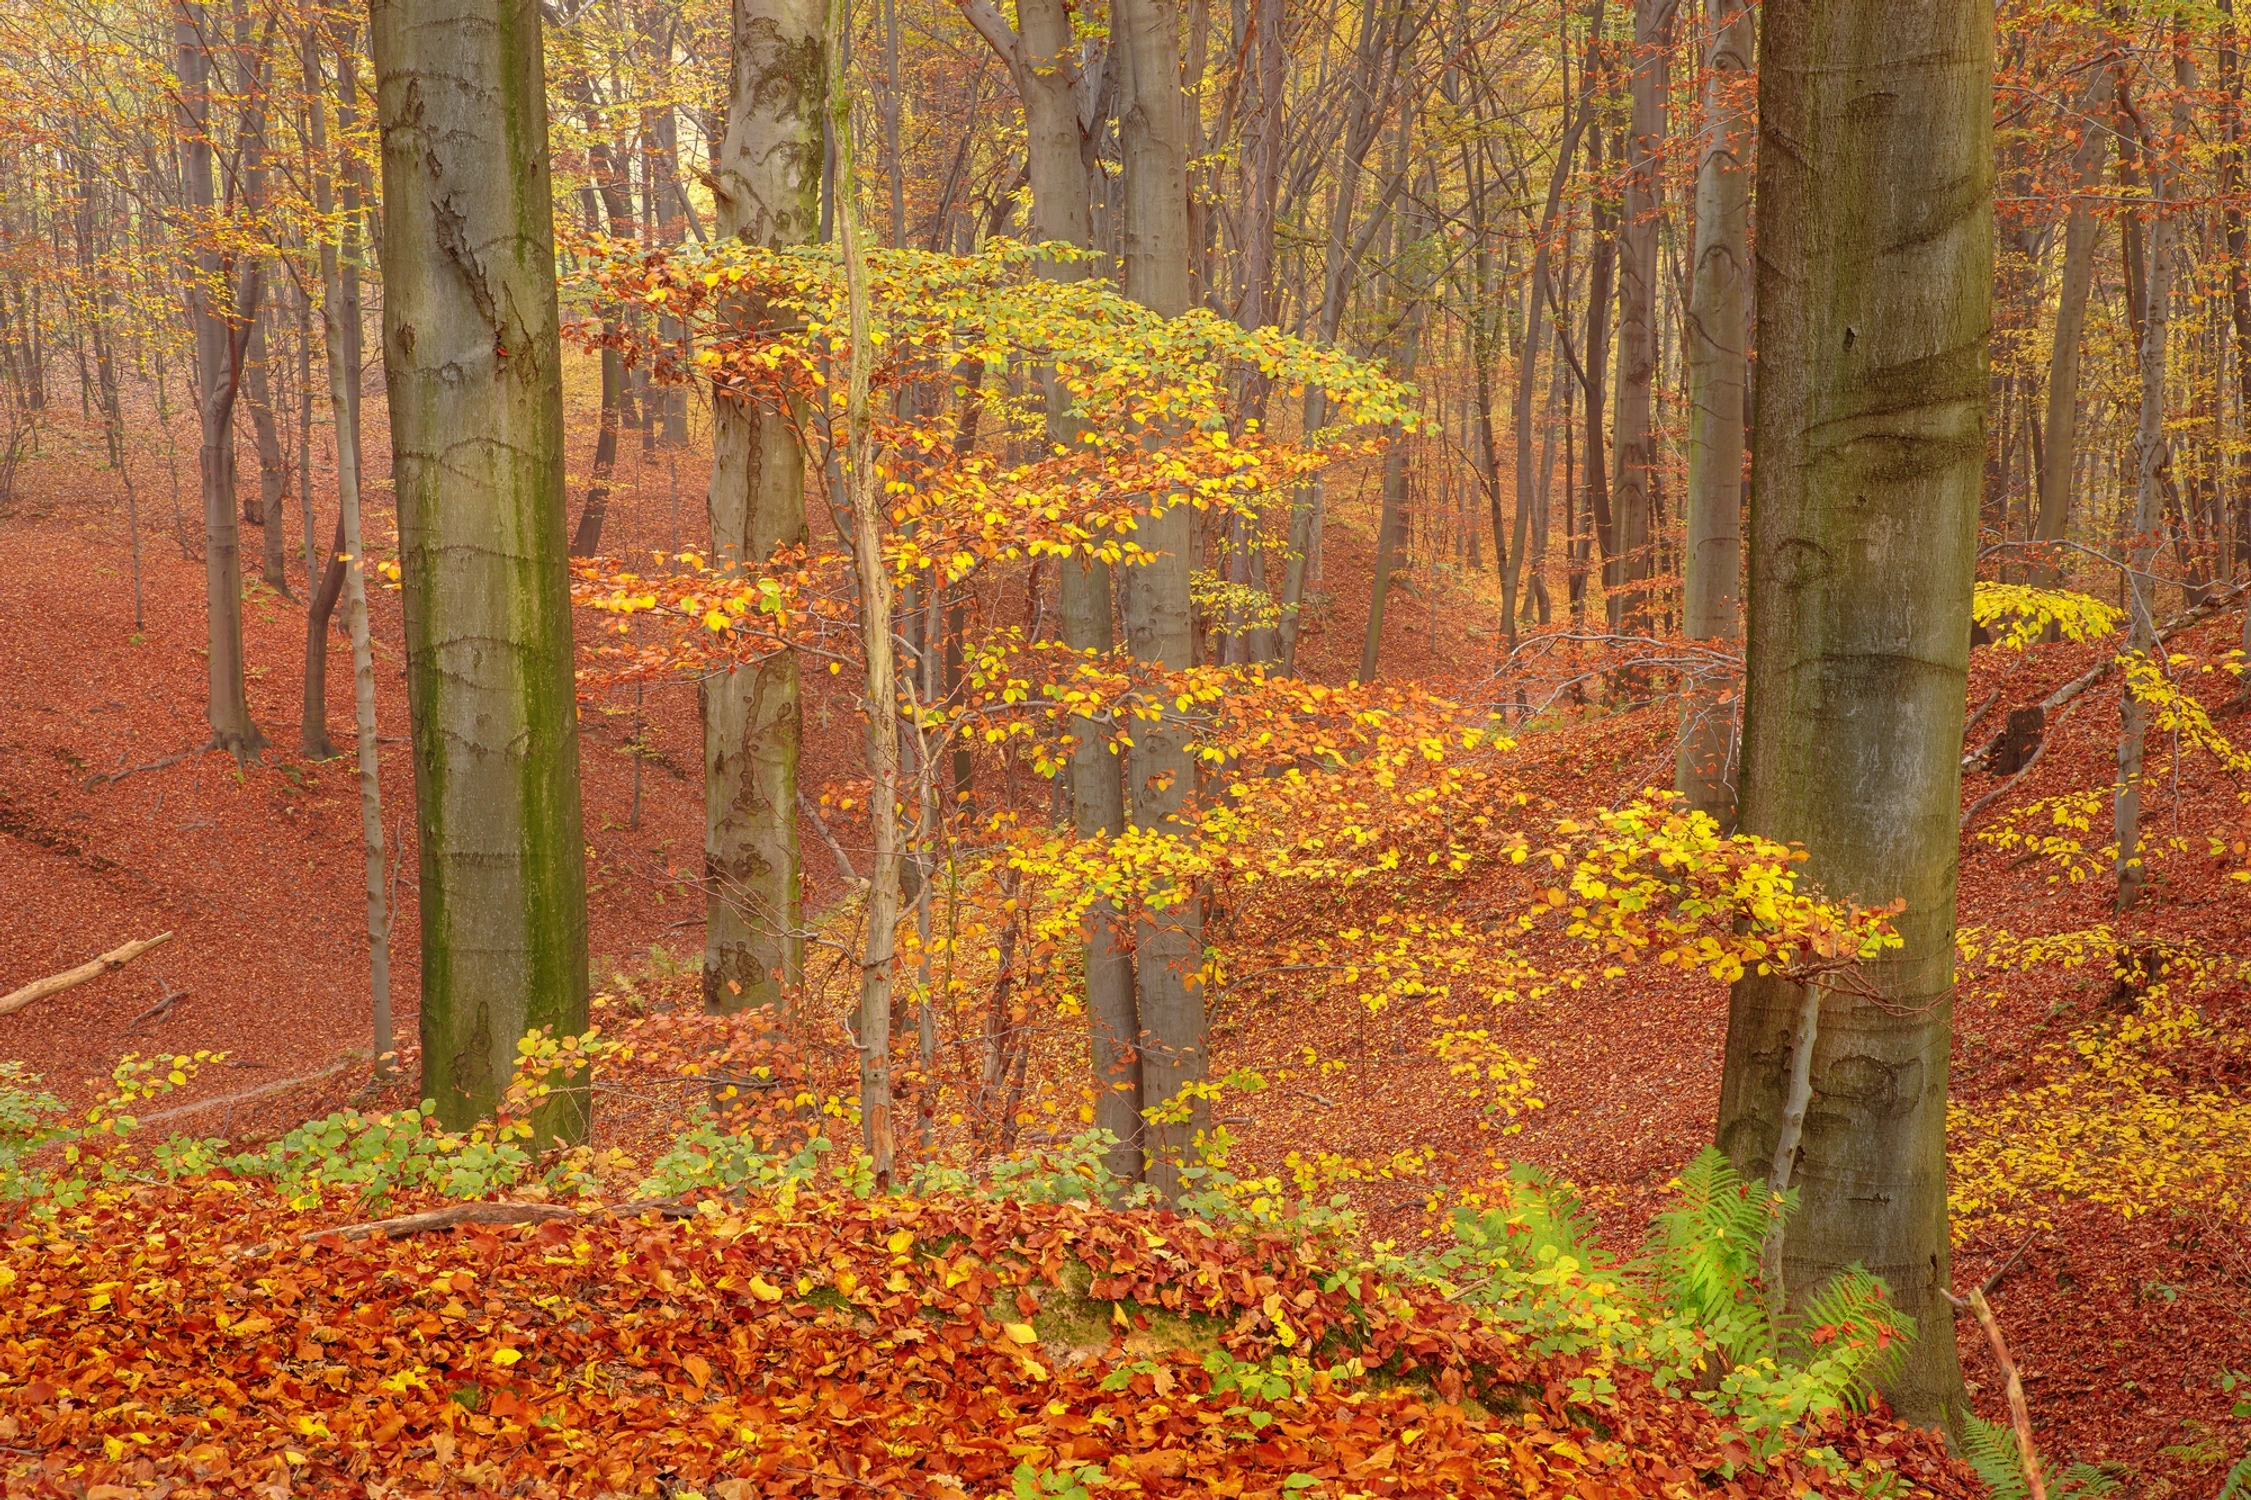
(1875, 275)
(766, 182)
(1160, 771)
(473, 363)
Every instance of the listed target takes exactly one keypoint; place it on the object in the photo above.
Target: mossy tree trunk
(1875, 267)
(473, 363)
(767, 183)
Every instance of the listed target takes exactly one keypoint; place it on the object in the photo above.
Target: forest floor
(2123, 1323)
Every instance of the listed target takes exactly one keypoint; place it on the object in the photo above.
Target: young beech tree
(1160, 772)
(1875, 266)
(473, 361)
(1714, 341)
(222, 301)
(767, 184)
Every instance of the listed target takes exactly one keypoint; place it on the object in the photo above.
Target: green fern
(2237, 1486)
(1705, 1253)
(1849, 1336)
(1991, 1448)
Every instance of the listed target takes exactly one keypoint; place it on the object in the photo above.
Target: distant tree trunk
(1636, 449)
(273, 467)
(1407, 314)
(1875, 256)
(766, 188)
(2079, 232)
(1508, 548)
(1246, 640)
(587, 540)
(473, 359)
(340, 326)
(2153, 461)
(221, 303)
(1161, 774)
(2238, 546)
(1716, 337)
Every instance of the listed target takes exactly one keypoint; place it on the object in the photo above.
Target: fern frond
(1705, 1254)
(1851, 1335)
(1991, 1448)
(2237, 1486)
(2085, 1482)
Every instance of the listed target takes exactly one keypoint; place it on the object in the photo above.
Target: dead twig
(162, 1009)
(101, 779)
(93, 968)
(1994, 1280)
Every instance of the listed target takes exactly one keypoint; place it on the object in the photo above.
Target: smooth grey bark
(273, 468)
(340, 326)
(474, 370)
(1634, 447)
(2153, 462)
(1716, 337)
(1875, 274)
(1160, 772)
(766, 185)
(1408, 306)
(2080, 230)
(1059, 127)
(222, 299)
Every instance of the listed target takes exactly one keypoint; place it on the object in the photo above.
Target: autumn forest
(1062, 748)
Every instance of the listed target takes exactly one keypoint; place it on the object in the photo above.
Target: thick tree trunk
(1875, 264)
(221, 330)
(1161, 774)
(473, 362)
(1635, 446)
(767, 184)
(2061, 437)
(1716, 339)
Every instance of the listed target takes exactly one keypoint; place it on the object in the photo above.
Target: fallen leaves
(822, 1346)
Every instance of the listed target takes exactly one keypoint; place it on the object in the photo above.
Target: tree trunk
(340, 326)
(473, 363)
(1048, 75)
(767, 183)
(878, 957)
(1875, 255)
(1635, 447)
(1716, 338)
(273, 467)
(221, 302)
(2061, 437)
(2153, 457)
(1161, 773)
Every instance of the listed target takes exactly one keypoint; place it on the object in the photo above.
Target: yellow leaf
(1023, 1333)
(505, 1357)
(764, 1290)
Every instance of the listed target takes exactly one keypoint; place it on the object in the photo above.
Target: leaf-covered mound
(208, 1339)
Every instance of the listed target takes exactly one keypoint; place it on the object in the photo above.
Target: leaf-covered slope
(192, 1341)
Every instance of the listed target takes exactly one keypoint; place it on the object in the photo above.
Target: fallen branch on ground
(93, 968)
(2019, 1414)
(458, 1214)
(279, 1085)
